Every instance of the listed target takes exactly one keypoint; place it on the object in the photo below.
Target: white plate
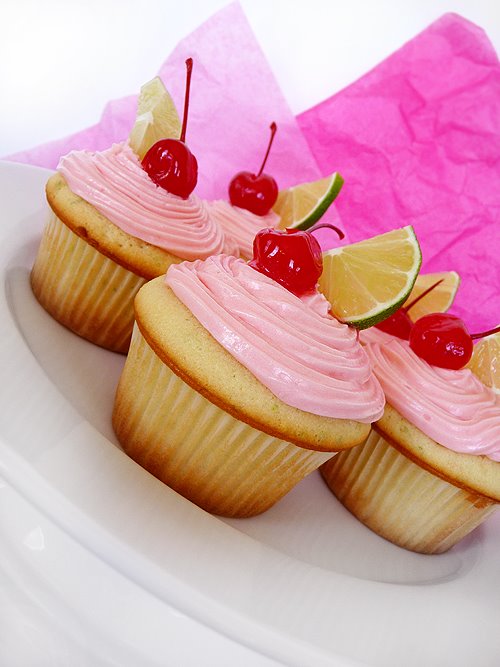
(100, 560)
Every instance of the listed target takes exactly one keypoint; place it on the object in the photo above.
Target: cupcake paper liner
(402, 502)
(215, 460)
(83, 289)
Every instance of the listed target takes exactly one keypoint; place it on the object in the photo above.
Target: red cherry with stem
(291, 257)
(169, 162)
(442, 340)
(256, 193)
(399, 323)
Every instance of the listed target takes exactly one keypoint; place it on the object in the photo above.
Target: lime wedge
(156, 119)
(485, 361)
(366, 282)
(439, 299)
(302, 205)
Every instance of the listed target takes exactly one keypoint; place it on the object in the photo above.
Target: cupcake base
(400, 500)
(88, 270)
(83, 289)
(215, 460)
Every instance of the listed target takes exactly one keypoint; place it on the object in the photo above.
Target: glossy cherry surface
(291, 258)
(172, 166)
(442, 340)
(399, 324)
(169, 162)
(256, 193)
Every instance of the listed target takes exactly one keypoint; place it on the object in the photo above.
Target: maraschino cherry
(442, 340)
(256, 193)
(169, 162)
(291, 257)
(399, 323)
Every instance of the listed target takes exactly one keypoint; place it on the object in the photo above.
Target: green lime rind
(377, 317)
(323, 205)
(387, 311)
(365, 322)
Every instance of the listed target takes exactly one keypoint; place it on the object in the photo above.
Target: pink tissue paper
(417, 140)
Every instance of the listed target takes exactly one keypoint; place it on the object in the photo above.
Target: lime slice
(156, 119)
(302, 205)
(366, 282)
(439, 299)
(485, 361)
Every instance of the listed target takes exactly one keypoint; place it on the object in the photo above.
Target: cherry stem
(189, 69)
(327, 225)
(485, 333)
(273, 127)
(421, 296)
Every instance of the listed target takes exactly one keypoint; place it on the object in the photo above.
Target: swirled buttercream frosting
(240, 225)
(454, 408)
(374, 335)
(301, 354)
(115, 183)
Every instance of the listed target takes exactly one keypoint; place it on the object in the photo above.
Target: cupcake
(429, 472)
(119, 218)
(111, 229)
(235, 388)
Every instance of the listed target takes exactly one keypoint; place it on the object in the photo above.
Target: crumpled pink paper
(417, 140)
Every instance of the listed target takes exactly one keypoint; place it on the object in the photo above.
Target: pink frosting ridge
(115, 183)
(241, 225)
(374, 335)
(301, 354)
(454, 408)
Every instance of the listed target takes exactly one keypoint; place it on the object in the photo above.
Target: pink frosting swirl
(115, 183)
(303, 356)
(374, 335)
(454, 408)
(241, 225)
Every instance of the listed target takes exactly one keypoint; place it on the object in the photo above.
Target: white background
(62, 60)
